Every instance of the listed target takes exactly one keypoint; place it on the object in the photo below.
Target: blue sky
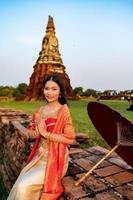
(95, 40)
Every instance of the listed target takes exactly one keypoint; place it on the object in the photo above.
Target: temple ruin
(49, 62)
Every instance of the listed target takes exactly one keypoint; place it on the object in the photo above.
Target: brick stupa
(49, 62)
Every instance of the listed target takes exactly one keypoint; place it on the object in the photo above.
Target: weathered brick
(98, 150)
(80, 155)
(94, 158)
(81, 161)
(120, 178)
(85, 154)
(75, 150)
(71, 190)
(82, 138)
(74, 169)
(126, 190)
(68, 183)
(110, 170)
(104, 196)
(78, 192)
(118, 161)
(84, 163)
(93, 183)
(105, 163)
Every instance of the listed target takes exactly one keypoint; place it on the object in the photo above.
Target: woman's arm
(32, 131)
(57, 138)
(68, 134)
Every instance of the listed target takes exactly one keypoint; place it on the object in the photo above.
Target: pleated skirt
(29, 184)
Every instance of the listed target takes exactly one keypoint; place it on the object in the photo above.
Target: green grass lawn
(79, 115)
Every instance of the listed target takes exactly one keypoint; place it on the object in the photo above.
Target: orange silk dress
(40, 179)
(30, 181)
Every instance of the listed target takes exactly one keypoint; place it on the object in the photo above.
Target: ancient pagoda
(49, 62)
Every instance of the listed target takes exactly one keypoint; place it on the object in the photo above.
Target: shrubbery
(10, 91)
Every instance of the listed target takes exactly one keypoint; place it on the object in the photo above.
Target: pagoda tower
(48, 63)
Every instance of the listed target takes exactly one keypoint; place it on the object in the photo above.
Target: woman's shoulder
(65, 109)
(39, 109)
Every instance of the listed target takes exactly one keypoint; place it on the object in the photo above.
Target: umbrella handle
(94, 167)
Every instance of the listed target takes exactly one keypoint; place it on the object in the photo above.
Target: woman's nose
(49, 92)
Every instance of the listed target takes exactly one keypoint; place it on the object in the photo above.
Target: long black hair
(62, 98)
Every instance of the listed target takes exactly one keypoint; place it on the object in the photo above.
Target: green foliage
(21, 88)
(10, 91)
(16, 93)
(90, 92)
(78, 91)
(6, 91)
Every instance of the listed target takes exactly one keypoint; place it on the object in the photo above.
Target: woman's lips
(49, 97)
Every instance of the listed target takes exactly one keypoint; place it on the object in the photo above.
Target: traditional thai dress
(41, 178)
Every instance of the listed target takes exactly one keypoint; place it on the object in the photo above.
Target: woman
(47, 164)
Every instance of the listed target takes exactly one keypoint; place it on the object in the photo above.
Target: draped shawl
(52, 188)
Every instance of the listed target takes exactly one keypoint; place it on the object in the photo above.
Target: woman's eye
(54, 88)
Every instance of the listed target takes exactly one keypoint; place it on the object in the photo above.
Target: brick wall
(111, 180)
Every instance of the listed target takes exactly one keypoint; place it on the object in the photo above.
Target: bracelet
(48, 136)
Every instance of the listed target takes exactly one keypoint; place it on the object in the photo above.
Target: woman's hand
(41, 128)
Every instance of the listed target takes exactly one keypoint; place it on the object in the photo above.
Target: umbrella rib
(124, 135)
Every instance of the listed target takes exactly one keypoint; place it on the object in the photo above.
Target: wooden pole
(94, 167)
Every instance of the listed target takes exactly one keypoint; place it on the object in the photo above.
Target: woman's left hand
(41, 126)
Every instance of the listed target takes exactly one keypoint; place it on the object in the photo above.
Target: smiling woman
(51, 91)
(53, 129)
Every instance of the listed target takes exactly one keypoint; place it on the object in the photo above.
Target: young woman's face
(51, 91)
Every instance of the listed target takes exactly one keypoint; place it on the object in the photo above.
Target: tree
(10, 91)
(20, 89)
(89, 92)
(78, 91)
(6, 91)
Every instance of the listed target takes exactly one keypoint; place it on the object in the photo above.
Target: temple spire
(50, 24)
(50, 48)
(48, 63)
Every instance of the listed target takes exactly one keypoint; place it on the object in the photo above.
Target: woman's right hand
(41, 128)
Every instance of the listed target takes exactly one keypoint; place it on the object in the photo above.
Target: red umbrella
(115, 129)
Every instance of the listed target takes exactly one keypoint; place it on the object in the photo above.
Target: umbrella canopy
(112, 127)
